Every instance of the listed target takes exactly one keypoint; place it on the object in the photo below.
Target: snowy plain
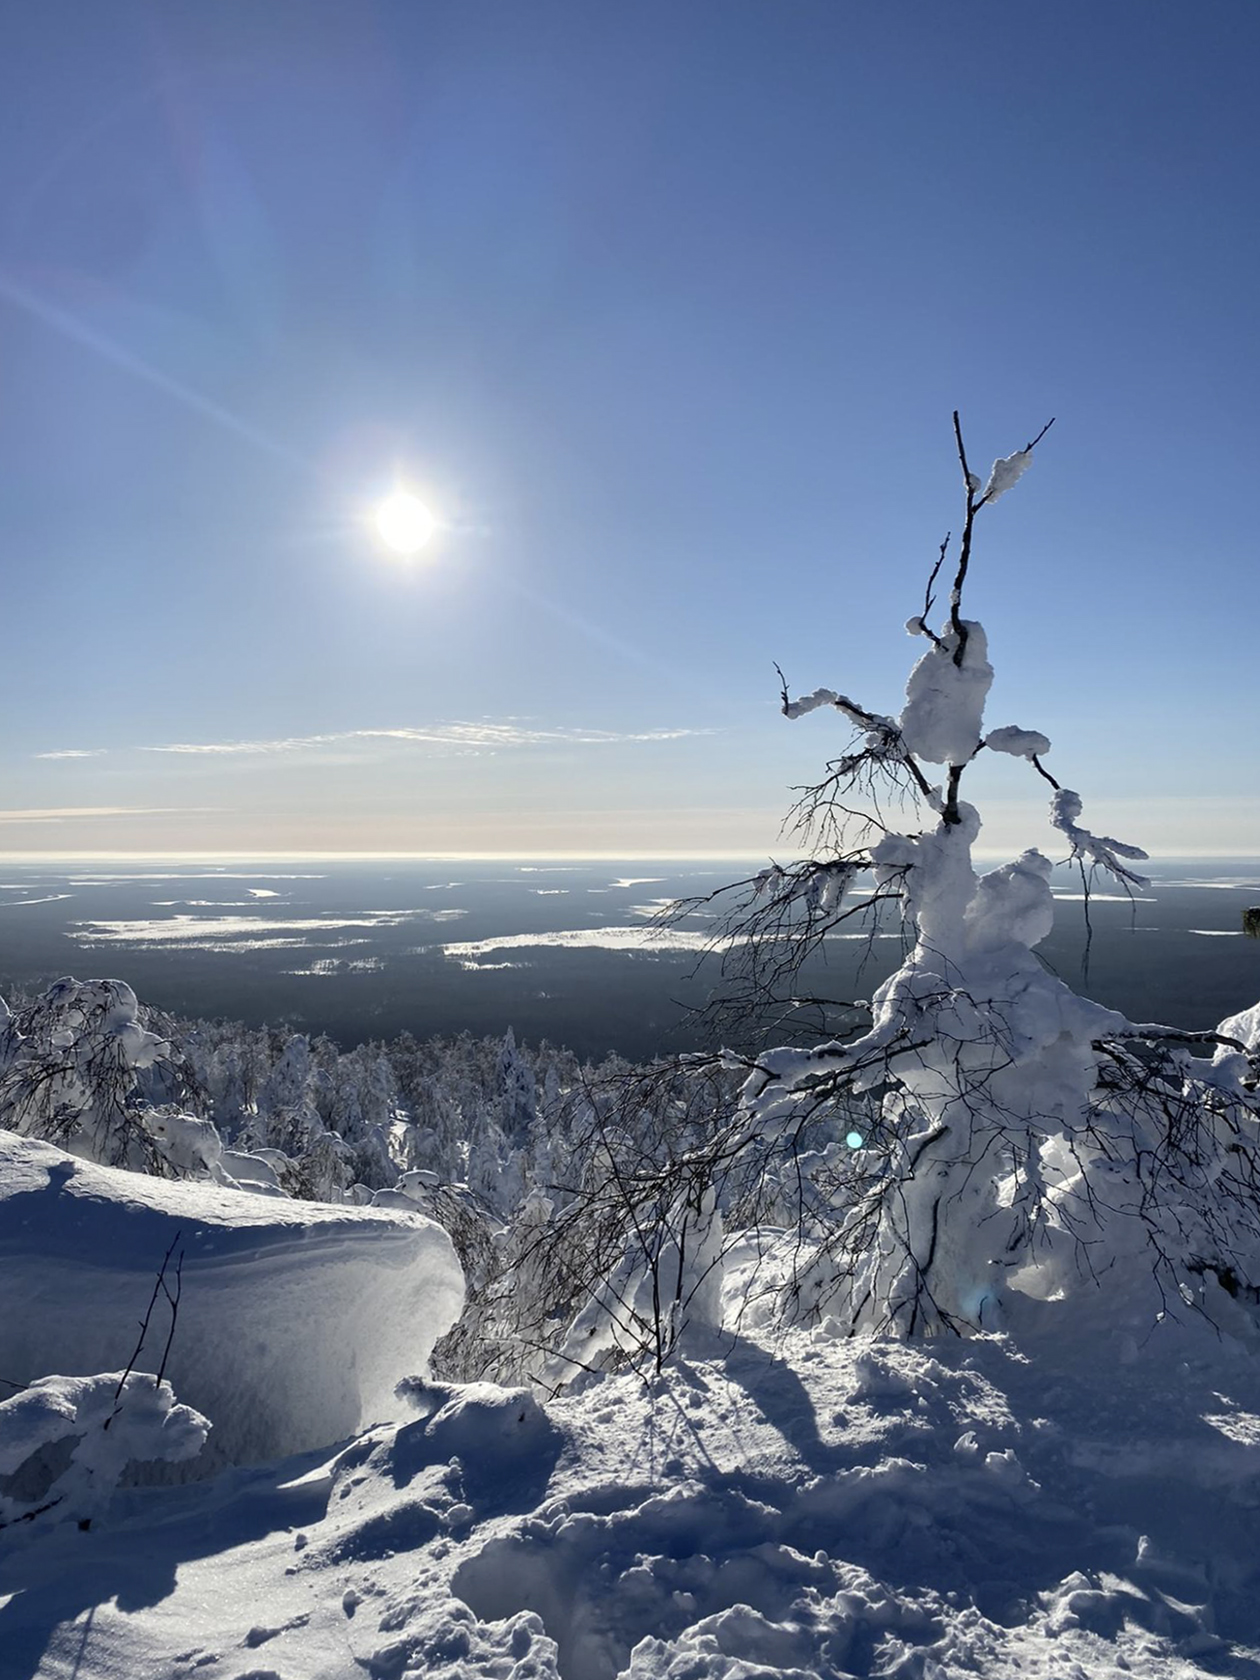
(564, 950)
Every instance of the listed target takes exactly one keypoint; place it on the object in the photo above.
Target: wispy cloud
(470, 736)
(73, 752)
(68, 813)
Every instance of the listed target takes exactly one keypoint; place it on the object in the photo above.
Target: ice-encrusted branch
(1065, 808)
(884, 738)
(1011, 468)
(828, 697)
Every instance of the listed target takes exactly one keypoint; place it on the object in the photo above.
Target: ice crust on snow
(296, 1318)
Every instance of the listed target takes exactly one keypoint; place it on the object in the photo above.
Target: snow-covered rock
(295, 1319)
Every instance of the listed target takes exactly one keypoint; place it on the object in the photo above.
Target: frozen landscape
(923, 1344)
(630, 840)
(563, 949)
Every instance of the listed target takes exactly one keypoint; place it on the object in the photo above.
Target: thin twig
(158, 1287)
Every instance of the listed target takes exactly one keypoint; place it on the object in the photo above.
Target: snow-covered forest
(918, 1339)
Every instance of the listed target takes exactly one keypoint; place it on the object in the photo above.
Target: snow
(296, 1319)
(1020, 743)
(591, 939)
(1069, 1503)
(944, 708)
(811, 702)
(108, 1421)
(984, 1402)
(1006, 473)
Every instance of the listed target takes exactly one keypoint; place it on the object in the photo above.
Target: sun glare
(403, 523)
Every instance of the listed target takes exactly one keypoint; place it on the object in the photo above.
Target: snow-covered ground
(1077, 1497)
(1067, 1504)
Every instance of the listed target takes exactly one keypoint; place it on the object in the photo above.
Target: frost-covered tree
(70, 1066)
(978, 1129)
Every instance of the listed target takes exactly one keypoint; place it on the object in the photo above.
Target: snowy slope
(295, 1321)
(1076, 1504)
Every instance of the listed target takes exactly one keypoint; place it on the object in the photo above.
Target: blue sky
(664, 308)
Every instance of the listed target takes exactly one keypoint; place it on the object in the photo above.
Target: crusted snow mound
(295, 1321)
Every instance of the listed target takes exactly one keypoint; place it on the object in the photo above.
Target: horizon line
(659, 856)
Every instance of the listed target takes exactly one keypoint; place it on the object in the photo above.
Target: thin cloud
(73, 752)
(68, 813)
(470, 736)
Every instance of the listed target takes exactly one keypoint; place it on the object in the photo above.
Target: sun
(403, 523)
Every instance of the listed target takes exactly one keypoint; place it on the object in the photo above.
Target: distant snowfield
(1230, 884)
(243, 933)
(646, 938)
(86, 880)
(1105, 898)
(592, 939)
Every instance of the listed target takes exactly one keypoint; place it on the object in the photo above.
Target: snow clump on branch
(944, 708)
(1007, 472)
(1020, 743)
(1065, 808)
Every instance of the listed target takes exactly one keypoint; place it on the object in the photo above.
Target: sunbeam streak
(78, 332)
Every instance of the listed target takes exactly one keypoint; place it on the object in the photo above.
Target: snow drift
(295, 1319)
